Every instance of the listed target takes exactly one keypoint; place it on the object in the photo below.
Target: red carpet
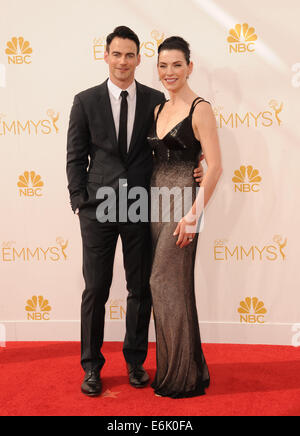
(45, 378)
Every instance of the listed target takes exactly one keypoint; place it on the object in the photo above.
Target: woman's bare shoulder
(203, 110)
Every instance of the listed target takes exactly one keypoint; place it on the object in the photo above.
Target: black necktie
(122, 140)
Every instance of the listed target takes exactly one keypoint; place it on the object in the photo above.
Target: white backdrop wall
(247, 273)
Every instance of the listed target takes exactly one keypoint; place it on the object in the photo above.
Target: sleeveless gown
(181, 367)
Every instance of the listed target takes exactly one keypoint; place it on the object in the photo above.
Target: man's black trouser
(99, 246)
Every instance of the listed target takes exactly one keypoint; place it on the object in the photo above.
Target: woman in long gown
(184, 128)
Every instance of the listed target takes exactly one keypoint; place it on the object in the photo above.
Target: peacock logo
(18, 51)
(252, 311)
(242, 38)
(277, 108)
(30, 184)
(158, 36)
(38, 309)
(246, 179)
(242, 33)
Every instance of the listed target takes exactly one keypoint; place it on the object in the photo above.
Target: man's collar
(116, 91)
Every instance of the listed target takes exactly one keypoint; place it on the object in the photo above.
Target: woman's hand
(184, 237)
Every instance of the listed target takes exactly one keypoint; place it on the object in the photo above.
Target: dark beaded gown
(181, 367)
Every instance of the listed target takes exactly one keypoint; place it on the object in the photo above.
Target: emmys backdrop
(247, 64)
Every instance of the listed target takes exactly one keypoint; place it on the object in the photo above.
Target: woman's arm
(204, 124)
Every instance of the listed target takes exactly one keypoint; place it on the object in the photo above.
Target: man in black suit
(107, 145)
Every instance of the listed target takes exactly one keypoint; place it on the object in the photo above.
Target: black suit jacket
(93, 158)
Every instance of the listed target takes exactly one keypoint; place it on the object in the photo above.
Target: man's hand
(199, 172)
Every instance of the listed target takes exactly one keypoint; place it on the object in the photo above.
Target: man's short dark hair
(125, 33)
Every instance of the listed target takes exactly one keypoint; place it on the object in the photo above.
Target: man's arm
(77, 154)
(199, 171)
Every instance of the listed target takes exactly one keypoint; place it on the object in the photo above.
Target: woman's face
(173, 69)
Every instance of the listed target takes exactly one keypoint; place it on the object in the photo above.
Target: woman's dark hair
(176, 43)
(125, 33)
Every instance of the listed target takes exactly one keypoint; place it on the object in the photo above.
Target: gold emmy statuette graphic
(30, 184)
(281, 244)
(241, 39)
(63, 245)
(18, 51)
(277, 108)
(38, 309)
(252, 311)
(246, 179)
(54, 118)
(159, 37)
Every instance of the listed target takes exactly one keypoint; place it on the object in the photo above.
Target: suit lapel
(107, 114)
(140, 114)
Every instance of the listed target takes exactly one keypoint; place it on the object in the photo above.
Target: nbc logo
(38, 309)
(252, 311)
(246, 179)
(18, 51)
(30, 184)
(241, 39)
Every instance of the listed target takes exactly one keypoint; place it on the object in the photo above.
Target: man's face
(122, 60)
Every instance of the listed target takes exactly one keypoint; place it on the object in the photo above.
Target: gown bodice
(179, 144)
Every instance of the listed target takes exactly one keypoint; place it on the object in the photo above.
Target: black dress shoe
(92, 386)
(138, 378)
